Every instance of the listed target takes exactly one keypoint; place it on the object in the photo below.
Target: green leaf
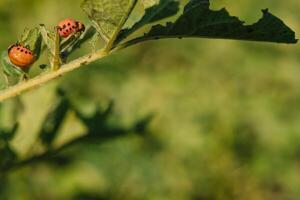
(10, 71)
(33, 39)
(164, 9)
(48, 38)
(198, 20)
(108, 16)
(150, 3)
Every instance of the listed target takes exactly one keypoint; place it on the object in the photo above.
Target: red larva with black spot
(69, 26)
(21, 56)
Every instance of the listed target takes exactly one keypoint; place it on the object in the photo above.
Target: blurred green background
(226, 115)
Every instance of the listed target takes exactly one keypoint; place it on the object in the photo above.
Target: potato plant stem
(49, 75)
(56, 58)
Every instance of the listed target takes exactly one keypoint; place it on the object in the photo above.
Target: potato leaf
(198, 20)
(164, 9)
(48, 38)
(149, 3)
(11, 73)
(108, 16)
(32, 38)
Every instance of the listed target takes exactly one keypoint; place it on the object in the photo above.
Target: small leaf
(48, 38)
(164, 9)
(150, 3)
(10, 71)
(198, 20)
(108, 16)
(33, 39)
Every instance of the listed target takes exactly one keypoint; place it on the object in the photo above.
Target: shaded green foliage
(53, 121)
(99, 130)
(108, 15)
(198, 20)
(8, 155)
(164, 9)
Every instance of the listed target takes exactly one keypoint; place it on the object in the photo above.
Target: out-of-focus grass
(226, 115)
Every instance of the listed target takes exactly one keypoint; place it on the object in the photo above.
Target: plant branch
(47, 76)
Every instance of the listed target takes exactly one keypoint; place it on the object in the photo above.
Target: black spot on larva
(64, 26)
(82, 28)
(65, 33)
(70, 29)
(26, 52)
(73, 26)
(18, 48)
(22, 50)
(69, 24)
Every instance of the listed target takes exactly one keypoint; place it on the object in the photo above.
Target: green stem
(56, 59)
